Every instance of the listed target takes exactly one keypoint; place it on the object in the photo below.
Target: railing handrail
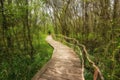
(97, 70)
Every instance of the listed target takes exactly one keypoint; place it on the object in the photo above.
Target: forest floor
(64, 64)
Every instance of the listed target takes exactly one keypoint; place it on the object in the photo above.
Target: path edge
(42, 70)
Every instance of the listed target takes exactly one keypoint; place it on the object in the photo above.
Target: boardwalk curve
(64, 64)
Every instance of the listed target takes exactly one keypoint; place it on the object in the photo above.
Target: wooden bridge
(64, 64)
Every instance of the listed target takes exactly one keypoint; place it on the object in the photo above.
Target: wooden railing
(83, 54)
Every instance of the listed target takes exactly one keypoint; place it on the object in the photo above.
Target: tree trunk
(28, 29)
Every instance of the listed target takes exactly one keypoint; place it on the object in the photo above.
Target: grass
(22, 67)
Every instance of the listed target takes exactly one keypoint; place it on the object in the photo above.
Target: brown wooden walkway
(64, 64)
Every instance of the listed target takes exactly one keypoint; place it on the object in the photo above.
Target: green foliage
(23, 49)
(88, 75)
(22, 67)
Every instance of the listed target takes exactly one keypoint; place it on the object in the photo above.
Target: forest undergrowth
(21, 66)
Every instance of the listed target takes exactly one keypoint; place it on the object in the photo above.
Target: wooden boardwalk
(64, 64)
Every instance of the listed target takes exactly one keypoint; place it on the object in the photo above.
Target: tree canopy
(24, 24)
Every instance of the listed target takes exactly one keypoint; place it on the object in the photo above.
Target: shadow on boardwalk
(64, 64)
